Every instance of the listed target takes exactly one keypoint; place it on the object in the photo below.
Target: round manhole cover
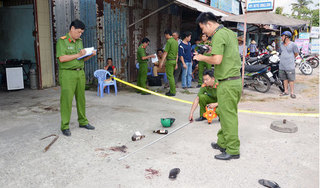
(284, 126)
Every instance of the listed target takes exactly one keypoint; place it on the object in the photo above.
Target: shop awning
(267, 18)
(192, 4)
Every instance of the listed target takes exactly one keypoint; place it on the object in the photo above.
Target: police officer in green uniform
(171, 55)
(143, 65)
(227, 63)
(202, 65)
(71, 76)
(207, 95)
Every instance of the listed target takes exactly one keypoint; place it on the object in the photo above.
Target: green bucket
(167, 122)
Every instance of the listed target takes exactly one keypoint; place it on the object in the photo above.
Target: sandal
(268, 183)
(293, 96)
(284, 94)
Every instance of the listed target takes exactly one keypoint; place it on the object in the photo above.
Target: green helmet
(167, 122)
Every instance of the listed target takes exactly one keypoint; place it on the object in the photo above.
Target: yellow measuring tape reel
(243, 111)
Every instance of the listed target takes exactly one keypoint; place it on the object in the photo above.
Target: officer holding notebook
(71, 76)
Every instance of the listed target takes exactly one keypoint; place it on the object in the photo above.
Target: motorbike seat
(252, 59)
(254, 68)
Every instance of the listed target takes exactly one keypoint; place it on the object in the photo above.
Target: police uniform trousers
(203, 101)
(142, 76)
(170, 66)
(72, 83)
(229, 94)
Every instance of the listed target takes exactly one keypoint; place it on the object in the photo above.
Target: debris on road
(137, 136)
(122, 149)
(53, 141)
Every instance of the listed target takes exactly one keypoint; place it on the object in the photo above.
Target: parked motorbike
(273, 63)
(312, 60)
(259, 77)
(261, 59)
(304, 67)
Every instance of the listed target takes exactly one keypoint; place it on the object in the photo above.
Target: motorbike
(261, 59)
(273, 63)
(259, 77)
(312, 60)
(304, 67)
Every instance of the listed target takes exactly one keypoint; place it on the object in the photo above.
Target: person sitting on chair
(110, 68)
(156, 68)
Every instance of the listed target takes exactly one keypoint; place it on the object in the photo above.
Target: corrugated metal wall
(115, 27)
(106, 29)
(89, 37)
(64, 12)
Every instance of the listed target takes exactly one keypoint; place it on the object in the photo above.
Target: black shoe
(200, 118)
(216, 146)
(173, 173)
(88, 126)
(170, 94)
(198, 86)
(145, 93)
(66, 132)
(225, 156)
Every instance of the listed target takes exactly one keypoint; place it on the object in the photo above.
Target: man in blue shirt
(184, 54)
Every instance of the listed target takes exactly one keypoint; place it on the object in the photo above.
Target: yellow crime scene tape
(243, 111)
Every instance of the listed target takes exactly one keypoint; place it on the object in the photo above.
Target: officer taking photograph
(226, 60)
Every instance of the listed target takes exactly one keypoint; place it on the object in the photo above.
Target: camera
(202, 49)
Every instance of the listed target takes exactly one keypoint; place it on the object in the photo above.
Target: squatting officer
(207, 95)
(71, 76)
(171, 55)
(227, 63)
(143, 65)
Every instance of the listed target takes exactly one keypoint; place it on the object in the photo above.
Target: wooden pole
(244, 42)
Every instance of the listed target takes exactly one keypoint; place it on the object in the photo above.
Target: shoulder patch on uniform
(63, 37)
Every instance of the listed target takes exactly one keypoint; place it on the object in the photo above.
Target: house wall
(45, 44)
(152, 27)
(16, 39)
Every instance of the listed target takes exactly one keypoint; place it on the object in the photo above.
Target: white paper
(154, 60)
(89, 51)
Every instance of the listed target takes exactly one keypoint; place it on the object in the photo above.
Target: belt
(170, 59)
(230, 78)
(77, 69)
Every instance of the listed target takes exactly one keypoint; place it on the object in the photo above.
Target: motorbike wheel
(306, 69)
(279, 84)
(314, 63)
(262, 84)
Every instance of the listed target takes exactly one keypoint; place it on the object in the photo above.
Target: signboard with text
(231, 6)
(259, 5)
(304, 44)
(315, 31)
(315, 49)
(304, 36)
